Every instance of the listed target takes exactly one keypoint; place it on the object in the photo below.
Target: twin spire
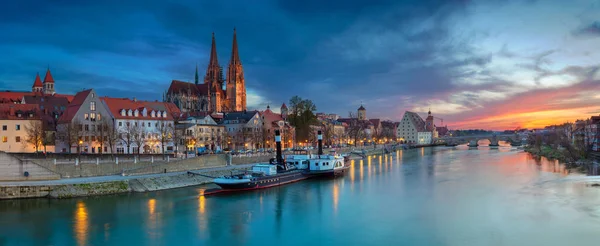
(235, 56)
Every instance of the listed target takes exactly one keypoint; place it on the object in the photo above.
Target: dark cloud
(390, 54)
(592, 29)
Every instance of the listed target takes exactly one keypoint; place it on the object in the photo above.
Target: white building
(14, 121)
(424, 138)
(142, 125)
(410, 126)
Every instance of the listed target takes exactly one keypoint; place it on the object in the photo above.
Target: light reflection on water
(81, 225)
(442, 196)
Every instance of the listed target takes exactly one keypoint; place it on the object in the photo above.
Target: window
(18, 127)
(92, 106)
(99, 118)
(87, 138)
(93, 116)
(4, 139)
(105, 149)
(86, 116)
(93, 138)
(87, 127)
(42, 107)
(4, 127)
(80, 127)
(120, 123)
(120, 150)
(18, 139)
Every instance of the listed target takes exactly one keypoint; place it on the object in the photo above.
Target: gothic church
(211, 96)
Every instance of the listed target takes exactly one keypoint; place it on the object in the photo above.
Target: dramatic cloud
(476, 64)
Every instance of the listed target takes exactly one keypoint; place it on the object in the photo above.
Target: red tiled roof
(115, 105)
(37, 82)
(48, 77)
(12, 96)
(375, 121)
(12, 111)
(73, 107)
(179, 87)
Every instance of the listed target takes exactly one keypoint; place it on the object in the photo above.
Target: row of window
(17, 127)
(136, 113)
(17, 139)
(92, 117)
(144, 124)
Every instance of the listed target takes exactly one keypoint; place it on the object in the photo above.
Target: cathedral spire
(196, 76)
(214, 61)
(235, 57)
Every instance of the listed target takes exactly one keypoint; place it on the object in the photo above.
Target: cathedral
(215, 94)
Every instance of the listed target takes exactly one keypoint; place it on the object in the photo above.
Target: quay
(59, 180)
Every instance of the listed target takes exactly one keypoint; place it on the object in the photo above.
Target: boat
(276, 172)
(299, 158)
(330, 165)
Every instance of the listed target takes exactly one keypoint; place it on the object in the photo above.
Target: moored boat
(329, 165)
(276, 172)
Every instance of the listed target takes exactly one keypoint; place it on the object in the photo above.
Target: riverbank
(156, 177)
(584, 166)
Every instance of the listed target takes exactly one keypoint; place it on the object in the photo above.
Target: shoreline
(581, 166)
(118, 184)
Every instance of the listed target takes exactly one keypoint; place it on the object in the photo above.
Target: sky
(476, 64)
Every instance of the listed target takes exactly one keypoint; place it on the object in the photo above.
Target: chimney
(11, 111)
(278, 146)
(320, 141)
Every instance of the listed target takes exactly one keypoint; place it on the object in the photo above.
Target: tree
(108, 133)
(178, 137)
(302, 116)
(138, 134)
(356, 128)
(35, 134)
(327, 132)
(127, 134)
(165, 134)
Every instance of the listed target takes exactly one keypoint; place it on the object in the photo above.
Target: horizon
(476, 64)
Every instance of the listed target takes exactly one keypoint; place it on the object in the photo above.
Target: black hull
(266, 182)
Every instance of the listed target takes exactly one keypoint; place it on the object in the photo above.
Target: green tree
(301, 116)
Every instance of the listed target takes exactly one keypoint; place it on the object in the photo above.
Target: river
(429, 196)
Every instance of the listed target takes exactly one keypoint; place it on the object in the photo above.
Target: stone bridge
(512, 139)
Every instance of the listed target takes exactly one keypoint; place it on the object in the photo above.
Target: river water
(431, 196)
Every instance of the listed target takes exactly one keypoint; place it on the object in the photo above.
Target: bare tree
(138, 135)
(35, 134)
(127, 134)
(109, 134)
(356, 128)
(165, 134)
(178, 137)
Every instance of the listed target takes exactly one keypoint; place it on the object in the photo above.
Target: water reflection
(82, 223)
(336, 196)
(447, 197)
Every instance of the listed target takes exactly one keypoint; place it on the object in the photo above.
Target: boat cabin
(326, 162)
(265, 168)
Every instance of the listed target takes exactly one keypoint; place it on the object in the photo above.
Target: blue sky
(487, 64)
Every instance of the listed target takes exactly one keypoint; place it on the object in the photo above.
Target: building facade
(142, 126)
(83, 125)
(202, 132)
(15, 122)
(244, 130)
(409, 127)
(213, 95)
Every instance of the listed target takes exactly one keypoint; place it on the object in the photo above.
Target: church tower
(48, 83)
(37, 84)
(362, 113)
(214, 79)
(236, 86)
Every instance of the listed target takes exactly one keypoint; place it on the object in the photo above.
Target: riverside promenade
(64, 182)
